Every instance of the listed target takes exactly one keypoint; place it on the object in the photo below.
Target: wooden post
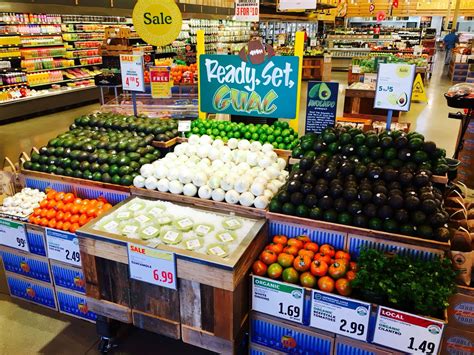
(200, 47)
(299, 51)
(456, 14)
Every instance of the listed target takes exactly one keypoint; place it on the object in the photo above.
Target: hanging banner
(255, 83)
(131, 69)
(394, 86)
(321, 106)
(395, 4)
(296, 5)
(247, 10)
(160, 82)
(419, 93)
(341, 8)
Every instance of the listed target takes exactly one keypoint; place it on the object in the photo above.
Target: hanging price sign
(63, 246)
(340, 315)
(184, 126)
(154, 266)
(131, 68)
(278, 299)
(13, 235)
(160, 82)
(407, 332)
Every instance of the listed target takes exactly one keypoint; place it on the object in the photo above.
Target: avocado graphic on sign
(321, 106)
(320, 91)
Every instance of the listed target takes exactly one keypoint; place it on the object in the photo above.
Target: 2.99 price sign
(154, 266)
(407, 332)
(13, 235)
(63, 246)
(340, 315)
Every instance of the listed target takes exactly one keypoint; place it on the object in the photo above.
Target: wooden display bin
(360, 104)
(314, 68)
(210, 307)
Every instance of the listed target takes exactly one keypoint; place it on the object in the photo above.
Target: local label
(154, 266)
(13, 235)
(63, 246)
(277, 299)
(340, 315)
(407, 332)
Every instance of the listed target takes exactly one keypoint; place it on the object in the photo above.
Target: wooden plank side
(89, 268)
(204, 274)
(241, 305)
(223, 314)
(207, 308)
(156, 324)
(105, 250)
(110, 310)
(114, 281)
(154, 300)
(190, 304)
(206, 340)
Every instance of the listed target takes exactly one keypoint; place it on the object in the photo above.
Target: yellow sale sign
(160, 82)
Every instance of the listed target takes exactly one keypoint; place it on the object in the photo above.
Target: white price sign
(63, 246)
(154, 266)
(278, 299)
(13, 235)
(288, 5)
(340, 315)
(394, 86)
(184, 126)
(247, 10)
(131, 68)
(407, 332)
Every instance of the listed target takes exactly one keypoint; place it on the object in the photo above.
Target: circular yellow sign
(157, 22)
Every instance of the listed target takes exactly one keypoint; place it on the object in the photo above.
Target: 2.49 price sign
(63, 246)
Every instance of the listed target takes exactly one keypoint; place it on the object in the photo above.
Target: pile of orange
(65, 211)
(184, 73)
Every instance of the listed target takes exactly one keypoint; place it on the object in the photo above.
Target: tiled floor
(30, 329)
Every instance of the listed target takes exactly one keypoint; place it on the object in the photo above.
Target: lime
(277, 132)
(279, 139)
(195, 130)
(247, 135)
(281, 146)
(263, 137)
(215, 132)
(270, 138)
(255, 136)
(237, 134)
(285, 132)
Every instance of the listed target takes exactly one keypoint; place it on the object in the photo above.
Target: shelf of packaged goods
(86, 56)
(9, 58)
(43, 45)
(40, 34)
(101, 32)
(61, 68)
(95, 22)
(12, 85)
(9, 45)
(9, 34)
(61, 81)
(46, 56)
(85, 40)
(28, 23)
(81, 49)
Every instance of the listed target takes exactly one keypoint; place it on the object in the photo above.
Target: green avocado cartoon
(321, 91)
(402, 100)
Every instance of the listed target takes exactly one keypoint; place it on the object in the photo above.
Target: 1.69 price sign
(154, 266)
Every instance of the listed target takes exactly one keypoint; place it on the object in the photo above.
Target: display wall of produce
(103, 147)
(377, 181)
(279, 134)
(240, 172)
(369, 65)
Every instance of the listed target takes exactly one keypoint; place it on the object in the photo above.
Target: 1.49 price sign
(154, 266)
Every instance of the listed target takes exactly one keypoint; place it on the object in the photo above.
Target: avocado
(440, 169)
(345, 138)
(418, 217)
(372, 140)
(376, 153)
(346, 168)
(402, 215)
(297, 175)
(344, 218)
(390, 174)
(297, 198)
(309, 178)
(421, 179)
(348, 149)
(365, 196)
(360, 221)
(375, 223)
(329, 137)
(320, 190)
(415, 143)
(306, 188)
(294, 186)
(340, 205)
(425, 231)
(288, 208)
(429, 147)
(429, 206)
(306, 163)
(375, 173)
(275, 206)
(330, 173)
(302, 211)
(401, 142)
(310, 201)
(354, 207)
(385, 212)
(379, 199)
(360, 171)
(442, 234)
(407, 229)
(283, 196)
(350, 194)
(359, 139)
(325, 203)
(336, 191)
(330, 216)
(386, 142)
(406, 178)
(319, 147)
(412, 202)
(315, 213)
(370, 210)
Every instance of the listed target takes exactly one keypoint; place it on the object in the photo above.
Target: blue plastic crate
(68, 276)
(25, 264)
(36, 242)
(43, 184)
(32, 291)
(74, 304)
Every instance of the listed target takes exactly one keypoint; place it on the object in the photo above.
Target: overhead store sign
(247, 10)
(394, 86)
(255, 83)
(157, 22)
(296, 5)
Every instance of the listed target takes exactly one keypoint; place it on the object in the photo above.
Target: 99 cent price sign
(278, 299)
(407, 332)
(12, 234)
(340, 315)
(154, 266)
(63, 246)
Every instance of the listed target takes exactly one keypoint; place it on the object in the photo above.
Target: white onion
(189, 190)
(218, 195)
(163, 185)
(139, 181)
(205, 192)
(176, 187)
(232, 196)
(151, 182)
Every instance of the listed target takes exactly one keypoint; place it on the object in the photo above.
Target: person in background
(450, 41)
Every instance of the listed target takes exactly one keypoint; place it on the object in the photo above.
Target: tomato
(343, 287)
(353, 266)
(285, 259)
(59, 215)
(267, 256)
(78, 201)
(340, 254)
(311, 246)
(306, 252)
(74, 227)
(66, 226)
(275, 247)
(83, 209)
(44, 204)
(107, 207)
(52, 223)
(75, 209)
(307, 280)
(337, 270)
(44, 213)
(74, 218)
(59, 225)
(274, 271)
(59, 196)
(37, 211)
(327, 249)
(303, 238)
(92, 212)
(51, 204)
(295, 242)
(83, 220)
(51, 214)
(319, 268)
(59, 206)
(44, 222)
(351, 275)
(326, 284)
(67, 207)
(259, 268)
(68, 198)
(302, 263)
(322, 257)
(67, 216)
(51, 195)
(85, 202)
(290, 275)
(291, 250)
(280, 239)
(344, 262)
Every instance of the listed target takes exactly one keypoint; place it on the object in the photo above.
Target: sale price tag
(407, 332)
(340, 315)
(131, 69)
(63, 246)
(278, 299)
(13, 235)
(154, 266)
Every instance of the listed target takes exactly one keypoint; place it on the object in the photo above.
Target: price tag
(407, 332)
(278, 299)
(13, 234)
(160, 82)
(63, 246)
(131, 68)
(370, 78)
(154, 266)
(184, 126)
(340, 315)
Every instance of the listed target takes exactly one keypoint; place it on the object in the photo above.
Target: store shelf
(59, 92)
(61, 81)
(81, 49)
(10, 34)
(61, 68)
(13, 85)
(87, 56)
(40, 34)
(46, 56)
(9, 45)
(43, 45)
(101, 32)
(28, 24)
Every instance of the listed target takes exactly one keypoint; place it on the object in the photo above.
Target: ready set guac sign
(234, 86)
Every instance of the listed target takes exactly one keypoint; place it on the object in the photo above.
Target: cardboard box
(32, 291)
(68, 276)
(26, 264)
(461, 309)
(457, 342)
(74, 304)
(36, 240)
(346, 345)
(255, 349)
(288, 337)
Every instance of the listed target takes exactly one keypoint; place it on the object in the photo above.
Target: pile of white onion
(23, 203)
(239, 172)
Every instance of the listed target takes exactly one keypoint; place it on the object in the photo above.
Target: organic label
(156, 211)
(123, 215)
(129, 229)
(202, 229)
(111, 226)
(193, 244)
(184, 126)
(185, 223)
(225, 237)
(13, 234)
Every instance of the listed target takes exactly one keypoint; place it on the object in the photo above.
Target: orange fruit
(51, 214)
(68, 198)
(67, 216)
(59, 196)
(60, 206)
(44, 222)
(44, 203)
(59, 215)
(75, 209)
(74, 218)
(51, 195)
(83, 220)
(52, 223)
(43, 213)
(59, 225)
(52, 203)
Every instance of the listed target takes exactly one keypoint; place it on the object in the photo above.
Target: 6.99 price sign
(154, 266)
(131, 69)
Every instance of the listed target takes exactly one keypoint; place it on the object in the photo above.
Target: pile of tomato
(184, 74)
(65, 211)
(301, 261)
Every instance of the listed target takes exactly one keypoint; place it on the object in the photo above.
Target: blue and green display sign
(321, 106)
(230, 85)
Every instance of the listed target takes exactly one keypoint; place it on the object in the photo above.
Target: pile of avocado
(382, 191)
(87, 151)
